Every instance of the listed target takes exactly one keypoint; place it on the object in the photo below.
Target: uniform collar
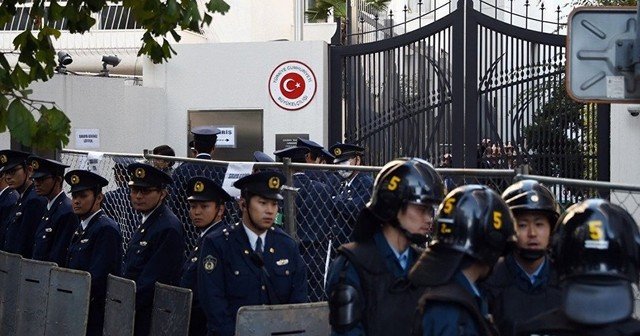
(392, 257)
(203, 156)
(3, 190)
(86, 221)
(253, 237)
(145, 217)
(208, 228)
(53, 200)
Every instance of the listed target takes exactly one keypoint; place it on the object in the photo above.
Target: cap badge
(198, 187)
(75, 179)
(3, 159)
(337, 151)
(35, 165)
(274, 182)
(140, 173)
(534, 198)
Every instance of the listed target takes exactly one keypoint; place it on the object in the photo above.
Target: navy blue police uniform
(203, 136)
(233, 272)
(58, 224)
(328, 177)
(96, 247)
(117, 202)
(313, 226)
(8, 199)
(352, 194)
(25, 216)
(201, 189)
(156, 250)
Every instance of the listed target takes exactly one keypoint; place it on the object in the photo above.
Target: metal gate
(486, 91)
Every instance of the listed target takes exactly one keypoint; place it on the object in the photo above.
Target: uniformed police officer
(96, 246)
(204, 142)
(156, 250)
(367, 285)
(474, 227)
(597, 253)
(313, 220)
(319, 155)
(207, 209)
(354, 190)
(23, 220)
(57, 225)
(8, 199)
(526, 275)
(117, 202)
(251, 263)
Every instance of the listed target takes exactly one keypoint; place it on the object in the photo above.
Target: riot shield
(32, 298)
(10, 266)
(120, 307)
(68, 303)
(307, 319)
(171, 310)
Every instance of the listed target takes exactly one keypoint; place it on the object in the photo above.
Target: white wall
(625, 141)
(228, 76)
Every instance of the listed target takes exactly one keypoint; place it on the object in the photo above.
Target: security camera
(111, 60)
(634, 110)
(64, 58)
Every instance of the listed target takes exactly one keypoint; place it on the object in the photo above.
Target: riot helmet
(597, 238)
(531, 195)
(474, 220)
(401, 181)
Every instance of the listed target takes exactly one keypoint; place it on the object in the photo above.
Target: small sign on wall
(87, 138)
(227, 137)
(289, 140)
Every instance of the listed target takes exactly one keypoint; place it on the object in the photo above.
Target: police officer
(117, 202)
(313, 220)
(598, 257)
(206, 208)
(367, 285)
(156, 250)
(251, 263)
(204, 144)
(526, 275)
(474, 227)
(319, 155)
(23, 220)
(57, 225)
(8, 199)
(96, 246)
(354, 190)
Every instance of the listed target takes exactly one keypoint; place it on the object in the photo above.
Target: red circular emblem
(292, 85)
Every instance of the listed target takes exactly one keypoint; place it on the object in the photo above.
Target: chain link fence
(319, 208)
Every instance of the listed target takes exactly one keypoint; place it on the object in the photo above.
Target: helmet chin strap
(530, 254)
(415, 238)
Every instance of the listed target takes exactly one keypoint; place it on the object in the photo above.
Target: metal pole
(298, 19)
(636, 45)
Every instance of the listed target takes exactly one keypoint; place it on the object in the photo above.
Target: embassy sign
(292, 85)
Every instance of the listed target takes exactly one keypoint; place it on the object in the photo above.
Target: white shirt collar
(86, 221)
(204, 232)
(2, 191)
(253, 237)
(203, 156)
(144, 217)
(50, 204)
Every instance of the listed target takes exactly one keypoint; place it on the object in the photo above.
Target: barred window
(20, 21)
(117, 17)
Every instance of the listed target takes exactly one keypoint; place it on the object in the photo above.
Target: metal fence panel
(32, 301)
(10, 270)
(68, 302)
(296, 319)
(171, 310)
(120, 307)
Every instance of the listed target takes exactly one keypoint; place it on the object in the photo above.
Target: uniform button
(236, 272)
(43, 237)
(286, 272)
(263, 287)
(246, 251)
(196, 248)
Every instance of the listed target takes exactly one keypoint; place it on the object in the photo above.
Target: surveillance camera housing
(64, 58)
(111, 60)
(634, 110)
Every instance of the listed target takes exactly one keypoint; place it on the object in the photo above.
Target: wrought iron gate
(486, 91)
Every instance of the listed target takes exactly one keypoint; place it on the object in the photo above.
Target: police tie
(259, 246)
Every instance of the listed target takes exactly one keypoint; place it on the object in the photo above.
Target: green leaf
(21, 122)
(218, 6)
(52, 129)
(4, 102)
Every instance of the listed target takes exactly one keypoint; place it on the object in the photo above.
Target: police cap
(11, 158)
(206, 135)
(83, 179)
(308, 143)
(266, 184)
(44, 167)
(204, 189)
(147, 176)
(259, 156)
(345, 151)
(296, 154)
(327, 155)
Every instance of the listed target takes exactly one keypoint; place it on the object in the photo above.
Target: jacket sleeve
(212, 289)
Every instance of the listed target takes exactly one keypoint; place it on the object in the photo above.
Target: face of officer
(85, 202)
(259, 213)
(203, 213)
(354, 161)
(145, 199)
(532, 230)
(48, 186)
(18, 177)
(417, 219)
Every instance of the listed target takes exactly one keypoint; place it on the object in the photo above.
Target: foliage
(36, 55)
(322, 8)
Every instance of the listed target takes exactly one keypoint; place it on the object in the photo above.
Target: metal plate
(294, 319)
(68, 303)
(120, 307)
(10, 286)
(32, 300)
(171, 310)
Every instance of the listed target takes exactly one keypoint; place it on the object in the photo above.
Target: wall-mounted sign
(292, 85)
(289, 140)
(87, 138)
(227, 137)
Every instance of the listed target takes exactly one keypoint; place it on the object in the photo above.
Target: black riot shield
(32, 298)
(68, 303)
(10, 266)
(171, 310)
(120, 307)
(307, 319)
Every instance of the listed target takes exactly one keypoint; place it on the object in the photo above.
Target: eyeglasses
(13, 171)
(143, 191)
